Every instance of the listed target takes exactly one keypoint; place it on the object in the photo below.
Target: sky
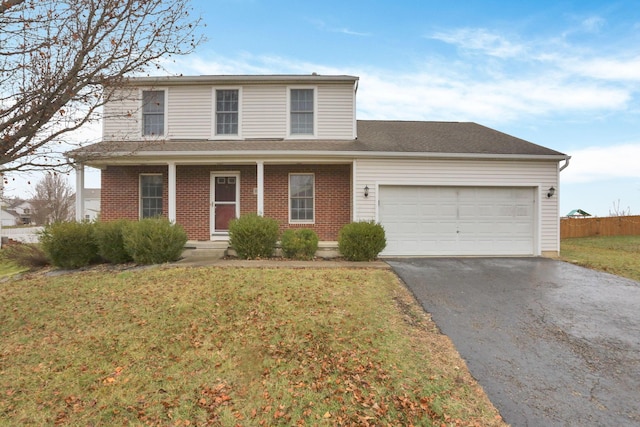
(562, 74)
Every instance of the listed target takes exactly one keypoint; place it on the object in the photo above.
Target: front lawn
(619, 255)
(226, 347)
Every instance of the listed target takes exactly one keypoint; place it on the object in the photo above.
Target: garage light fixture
(551, 192)
(366, 191)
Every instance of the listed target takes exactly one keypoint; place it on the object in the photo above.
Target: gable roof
(375, 138)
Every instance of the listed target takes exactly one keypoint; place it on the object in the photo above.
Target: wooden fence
(605, 226)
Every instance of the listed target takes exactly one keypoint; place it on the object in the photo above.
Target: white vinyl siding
(120, 115)
(264, 111)
(189, 112)
(336, 111)
(473, 173)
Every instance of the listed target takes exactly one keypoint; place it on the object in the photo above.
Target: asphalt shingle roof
(379, 136)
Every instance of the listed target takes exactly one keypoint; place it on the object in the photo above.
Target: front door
(224, 201)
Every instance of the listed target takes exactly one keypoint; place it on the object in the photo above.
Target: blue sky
(563, 74)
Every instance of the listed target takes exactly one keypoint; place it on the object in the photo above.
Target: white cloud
(480, 39)
(611, 69)
(441, 91)
(602, 163)
(593, 24)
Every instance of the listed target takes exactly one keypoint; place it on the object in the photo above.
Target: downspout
(566, 163)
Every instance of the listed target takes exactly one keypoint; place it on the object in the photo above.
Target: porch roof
(375, 137)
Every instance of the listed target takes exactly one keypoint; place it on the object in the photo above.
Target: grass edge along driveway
(227, 346)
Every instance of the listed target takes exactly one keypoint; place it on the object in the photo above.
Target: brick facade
(120, 195)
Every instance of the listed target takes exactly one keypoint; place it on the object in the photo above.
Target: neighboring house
(16, 212)
(9, 217)
(202, 150)
(91, 200)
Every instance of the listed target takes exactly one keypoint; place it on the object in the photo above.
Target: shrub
(361, 241)
(253, 236)
(110, 241)
(28, 255)
(154, 240)
(299, 244)
(69, 244)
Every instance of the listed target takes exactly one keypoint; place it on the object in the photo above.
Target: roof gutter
(566, 163)
(336, 154)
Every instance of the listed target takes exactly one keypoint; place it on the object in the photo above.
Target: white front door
(225, 201)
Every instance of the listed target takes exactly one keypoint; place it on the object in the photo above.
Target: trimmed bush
(69, 244)
(110, 241)
(154, 240)
(301, 243)
(361, 241)
(28, 255)
(253, 236)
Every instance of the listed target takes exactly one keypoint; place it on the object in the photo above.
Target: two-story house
(202, 150)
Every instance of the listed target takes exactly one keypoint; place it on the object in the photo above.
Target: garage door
(457, 220)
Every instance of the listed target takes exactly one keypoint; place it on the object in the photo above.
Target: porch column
(79, 191)
(172, 192)
(260, 175)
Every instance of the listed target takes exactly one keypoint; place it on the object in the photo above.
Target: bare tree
(57, 56)
(53, 200)
(617, 211)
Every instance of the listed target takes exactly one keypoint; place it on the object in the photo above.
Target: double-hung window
(301, 197)
(227, 112)
(150, 195)
(301, 111)
(153, 103)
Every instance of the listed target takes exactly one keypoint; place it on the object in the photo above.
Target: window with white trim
(227, 111)
(153, 104)
(301, 111)
(150, 195)
(301, 197)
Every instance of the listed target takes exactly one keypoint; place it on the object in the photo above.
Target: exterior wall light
(551, 192)
(366, 191)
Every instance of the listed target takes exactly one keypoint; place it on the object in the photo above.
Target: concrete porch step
(198, 250)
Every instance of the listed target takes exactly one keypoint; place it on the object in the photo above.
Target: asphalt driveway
(552, 344)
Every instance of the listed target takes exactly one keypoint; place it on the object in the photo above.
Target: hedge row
(78, 244)
(253, 236)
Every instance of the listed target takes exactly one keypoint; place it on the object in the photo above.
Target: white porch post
(79, 191)
(260, 176)
(172, 192)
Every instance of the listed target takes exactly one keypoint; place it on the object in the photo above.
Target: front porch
(203, 198)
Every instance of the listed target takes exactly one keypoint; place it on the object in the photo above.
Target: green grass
(9, 269)
(618, 255)
(227, 347)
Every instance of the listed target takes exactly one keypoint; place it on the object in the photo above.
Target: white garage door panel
(457, 220)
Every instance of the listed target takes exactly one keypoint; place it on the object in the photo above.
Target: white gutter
(333, 154)
(566, 163)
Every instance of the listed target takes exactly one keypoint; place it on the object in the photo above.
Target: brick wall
(120, 195)
(332, 197)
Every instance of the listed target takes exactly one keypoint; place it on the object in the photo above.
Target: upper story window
(227, 111)
(302, 111)
(153, 106)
